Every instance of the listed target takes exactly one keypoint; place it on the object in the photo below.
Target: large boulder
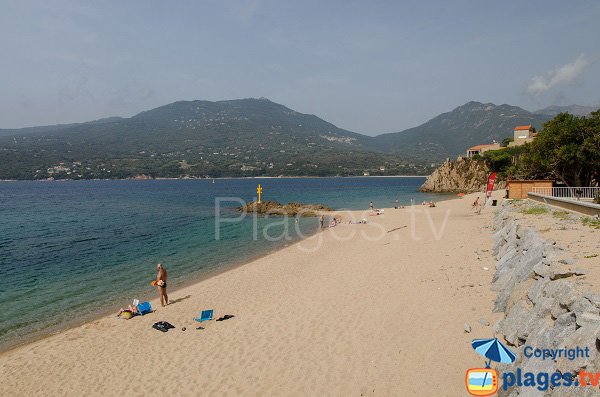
(463, 175)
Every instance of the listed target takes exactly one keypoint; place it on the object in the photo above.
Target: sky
(367, 66)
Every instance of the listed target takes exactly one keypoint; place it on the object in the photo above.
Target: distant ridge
(56, 127)
(242, 137)
(577, 110)
(449, 134)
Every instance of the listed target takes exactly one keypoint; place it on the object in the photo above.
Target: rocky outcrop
(289, 209)
(142, 177)
(545, 306)
(463, 175)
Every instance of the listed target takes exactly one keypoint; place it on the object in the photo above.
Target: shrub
(535, 210)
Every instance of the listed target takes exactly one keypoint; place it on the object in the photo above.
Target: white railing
(575, 193)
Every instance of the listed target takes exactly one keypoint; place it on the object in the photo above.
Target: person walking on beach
(321, 221)
(372, 206)
(477, 205)
(161, 284)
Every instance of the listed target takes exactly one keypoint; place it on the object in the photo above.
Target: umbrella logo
(484, 381)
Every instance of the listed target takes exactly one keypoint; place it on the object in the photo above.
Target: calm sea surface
(72, 250)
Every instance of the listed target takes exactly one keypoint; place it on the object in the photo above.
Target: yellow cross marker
(259, 191)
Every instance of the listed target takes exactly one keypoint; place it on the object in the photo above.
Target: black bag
(162, 326)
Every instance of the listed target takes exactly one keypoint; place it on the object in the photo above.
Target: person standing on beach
(372, 206)
(321, 221)
(161, 284)
(477, 205)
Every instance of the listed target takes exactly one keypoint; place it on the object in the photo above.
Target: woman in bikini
(161, 284)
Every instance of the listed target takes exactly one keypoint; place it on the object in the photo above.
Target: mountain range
(245, 137)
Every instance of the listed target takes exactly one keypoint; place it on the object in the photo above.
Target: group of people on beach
(396, 205)
(161, 276)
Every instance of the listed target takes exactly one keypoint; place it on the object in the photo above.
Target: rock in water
(289, 209)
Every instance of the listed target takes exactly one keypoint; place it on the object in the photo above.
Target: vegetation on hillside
(248, 137)
(450, 133)
(567, 149)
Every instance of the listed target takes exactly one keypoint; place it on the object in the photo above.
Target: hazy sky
(369, 66)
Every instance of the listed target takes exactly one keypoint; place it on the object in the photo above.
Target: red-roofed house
(523, 134)
(480, 149)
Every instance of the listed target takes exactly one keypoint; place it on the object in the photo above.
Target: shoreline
(108, 311)
(349, 316)
(216, 178)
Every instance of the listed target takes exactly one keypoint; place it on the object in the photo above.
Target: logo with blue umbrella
(493, 350)
(484, 381)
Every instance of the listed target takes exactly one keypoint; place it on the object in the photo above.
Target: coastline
(216, 178)
(181, 245)
(274, 296)
(110, 310)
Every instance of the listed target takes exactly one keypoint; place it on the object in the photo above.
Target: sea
(71, 251)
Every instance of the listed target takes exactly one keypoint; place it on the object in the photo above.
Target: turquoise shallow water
(74, 249)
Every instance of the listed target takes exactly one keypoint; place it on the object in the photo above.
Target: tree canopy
(568, 149)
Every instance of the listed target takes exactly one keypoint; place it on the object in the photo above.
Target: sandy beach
(357, 310)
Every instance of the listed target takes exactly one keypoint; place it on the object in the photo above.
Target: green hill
(245, 137)
(449, 134)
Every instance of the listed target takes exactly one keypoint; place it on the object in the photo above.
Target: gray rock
(588, 318)
(564, 326)
(558, 310)
(541, 269)
(543, 307)
(506, 263)
(574, 392)
(536, 292)
(584, 337)
(534, 255)
(564, 291)
(541, 334)
(558, 270)
(511, 292)
(515, 321)
(565, 319)
(467, 328)
(582, 305)
(585, 312)
(593, 298)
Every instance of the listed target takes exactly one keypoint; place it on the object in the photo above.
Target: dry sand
(371, 312)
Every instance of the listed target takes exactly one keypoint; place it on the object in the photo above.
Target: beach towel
(125, 314)
(162, 326)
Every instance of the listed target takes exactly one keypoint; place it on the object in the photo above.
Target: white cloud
(559, 76)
